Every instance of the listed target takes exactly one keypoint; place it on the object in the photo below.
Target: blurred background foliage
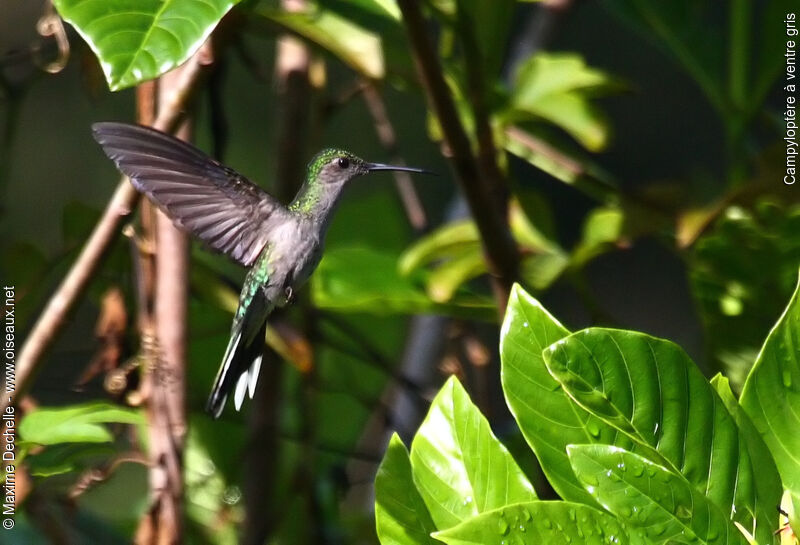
(642, 144)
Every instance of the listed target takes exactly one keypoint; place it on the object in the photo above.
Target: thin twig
(405, 186)
(69, 292)
(501, 252)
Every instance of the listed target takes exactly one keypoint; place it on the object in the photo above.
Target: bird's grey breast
(295, 251)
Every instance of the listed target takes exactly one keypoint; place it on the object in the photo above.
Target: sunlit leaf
(602, 229)
(139, 41)
(644, 495)
(550, 522)
(445, 279)
(767, 482)
(443, 242)
(74, 424)
(459, 466)
(771, 394)
(546, 415)
(649, 390)
(366, 280)
(401, 516)
(558, 88)
(568, 167)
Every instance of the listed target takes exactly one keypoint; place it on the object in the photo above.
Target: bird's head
(336, 167)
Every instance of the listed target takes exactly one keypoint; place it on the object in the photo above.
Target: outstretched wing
(213, 202)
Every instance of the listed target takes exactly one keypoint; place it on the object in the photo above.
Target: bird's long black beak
(374, 167)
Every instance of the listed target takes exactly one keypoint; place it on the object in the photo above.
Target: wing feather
(213, 202)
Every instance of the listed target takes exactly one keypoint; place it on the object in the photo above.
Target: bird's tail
(242, 361)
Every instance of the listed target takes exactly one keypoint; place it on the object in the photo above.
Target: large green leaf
(659, 502)
(550, 522)
(771, 394)
(651, 391)
(460, 468)
(401, 516)
(767, 483)
(74, 424)
(546, 415)
(138, 41)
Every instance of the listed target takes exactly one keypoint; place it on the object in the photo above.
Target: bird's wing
(213, 202)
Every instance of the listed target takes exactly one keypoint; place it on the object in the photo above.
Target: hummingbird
(281, 245)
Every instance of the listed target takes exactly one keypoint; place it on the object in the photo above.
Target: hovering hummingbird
(281, 245)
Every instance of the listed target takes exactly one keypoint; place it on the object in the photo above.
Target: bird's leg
(289, 294)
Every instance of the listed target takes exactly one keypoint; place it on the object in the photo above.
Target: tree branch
(122, 203)
(499, 248)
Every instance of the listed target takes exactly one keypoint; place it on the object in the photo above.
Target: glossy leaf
(771, 394)
(647, 496)
(550, 522)
(366, 280)
(460, 468)
(650, 391)
(557, 88)
(74, 424)
(401, 516)
(357, 47)
(138, 41)
(547, 417)
(767, 481)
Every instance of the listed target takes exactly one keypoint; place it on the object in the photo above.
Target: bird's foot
(289, 295)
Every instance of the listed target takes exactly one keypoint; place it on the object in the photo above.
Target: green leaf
(767, 483)
(647, 496)
(460, 468)
(557, 88)
(541, 151)
(401, 516)
(366, 280)
(603, 227)
(357, 47)
(550, 522)
(444, 280)
(138, 41)
(649, 390)
(74, 424)
(66, 457)
(547, 417)
(771, 394)
(449, 240)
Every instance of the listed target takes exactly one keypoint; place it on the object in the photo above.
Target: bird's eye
(343, 162)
